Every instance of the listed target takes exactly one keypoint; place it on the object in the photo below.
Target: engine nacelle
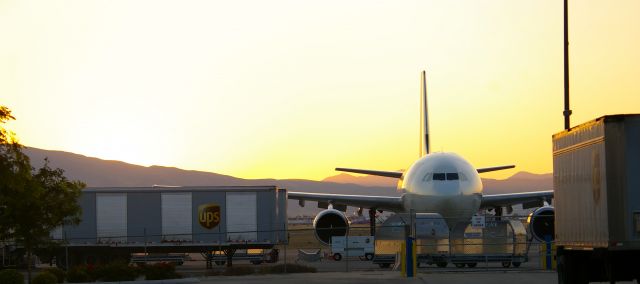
(329, 223)
(542, 223)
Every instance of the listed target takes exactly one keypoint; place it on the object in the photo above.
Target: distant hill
(519, 182)
(363, 180)
(97, 172)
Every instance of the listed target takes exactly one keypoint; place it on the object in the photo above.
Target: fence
(502, 244)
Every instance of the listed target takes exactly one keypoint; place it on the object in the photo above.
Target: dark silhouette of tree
(32, 202)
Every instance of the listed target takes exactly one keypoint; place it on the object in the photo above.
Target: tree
(32, 202)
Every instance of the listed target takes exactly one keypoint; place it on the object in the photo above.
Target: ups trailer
(596, 179)
(120, 221)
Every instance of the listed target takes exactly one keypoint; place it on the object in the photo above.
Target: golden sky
(292, 89)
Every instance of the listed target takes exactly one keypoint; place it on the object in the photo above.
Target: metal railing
(493, 248)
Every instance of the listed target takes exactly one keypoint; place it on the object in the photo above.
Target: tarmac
(391, 277)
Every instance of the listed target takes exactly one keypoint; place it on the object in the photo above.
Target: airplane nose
(448, 188)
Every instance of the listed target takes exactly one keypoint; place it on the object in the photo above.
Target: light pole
(567, 110)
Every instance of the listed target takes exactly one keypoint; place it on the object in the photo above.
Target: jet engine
(329, 223)
(541, 223)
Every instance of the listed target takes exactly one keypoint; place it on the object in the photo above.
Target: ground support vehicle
(596, 177)
(255, 256)
(118, 222)
(354, 246)
(501, 241)
(432, 239)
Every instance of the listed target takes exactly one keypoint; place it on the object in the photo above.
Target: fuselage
(443, 183)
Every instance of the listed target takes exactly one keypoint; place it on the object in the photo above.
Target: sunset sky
(292, 89)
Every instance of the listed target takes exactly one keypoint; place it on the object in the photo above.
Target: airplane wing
(364, 201)
(372, 172)
(527, 199)
(491, 169)
(393, 174)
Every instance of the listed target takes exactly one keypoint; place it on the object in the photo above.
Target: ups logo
(209, 215)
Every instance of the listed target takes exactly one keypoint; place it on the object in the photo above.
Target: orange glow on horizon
(290, 89)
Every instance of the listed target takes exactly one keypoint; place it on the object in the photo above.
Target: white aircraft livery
(443, 183)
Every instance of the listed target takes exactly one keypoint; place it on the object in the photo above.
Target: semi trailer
(596, 179)
(118, 222)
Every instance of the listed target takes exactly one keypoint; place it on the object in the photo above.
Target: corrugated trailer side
(119, 221)
(597, 200)
(580, 195)
(597, 183)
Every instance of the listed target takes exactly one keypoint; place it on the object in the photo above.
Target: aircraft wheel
(506, 264)
(368, 256)
(337, 257)
(516, 264)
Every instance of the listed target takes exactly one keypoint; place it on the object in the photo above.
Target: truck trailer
(121, 221)
(596, 179)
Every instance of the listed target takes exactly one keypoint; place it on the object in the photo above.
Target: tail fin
(424, 117)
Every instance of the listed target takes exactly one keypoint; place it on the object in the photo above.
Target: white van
(349, 246)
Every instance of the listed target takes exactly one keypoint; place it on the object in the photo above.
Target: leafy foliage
(32, 202)
(57, 272)
(79, 274)
(44, 278)
(160, 271)
(11, 276)
(116, 271)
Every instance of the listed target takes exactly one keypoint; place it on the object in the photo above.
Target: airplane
(438, 182)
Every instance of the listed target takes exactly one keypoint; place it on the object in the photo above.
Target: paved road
(392, 277)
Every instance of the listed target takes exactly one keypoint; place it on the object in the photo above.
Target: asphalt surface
(392, 277)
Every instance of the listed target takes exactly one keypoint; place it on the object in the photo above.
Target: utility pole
(567, 110)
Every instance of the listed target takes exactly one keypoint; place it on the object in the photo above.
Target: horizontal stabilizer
(372, 172)
(491, 169)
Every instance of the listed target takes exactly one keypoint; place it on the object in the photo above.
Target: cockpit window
(427, 177)
(452, 176)
(439, 176)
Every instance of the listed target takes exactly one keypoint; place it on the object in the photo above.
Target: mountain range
(96, 172)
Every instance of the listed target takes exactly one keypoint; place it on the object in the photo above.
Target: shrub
(57, 272)
(116, 271)
(78, 274)
(160, 271)
(11, 276)
(44, 278)
(291, 268)
(238, 271)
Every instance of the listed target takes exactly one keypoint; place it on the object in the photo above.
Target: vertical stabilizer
(424, 117)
